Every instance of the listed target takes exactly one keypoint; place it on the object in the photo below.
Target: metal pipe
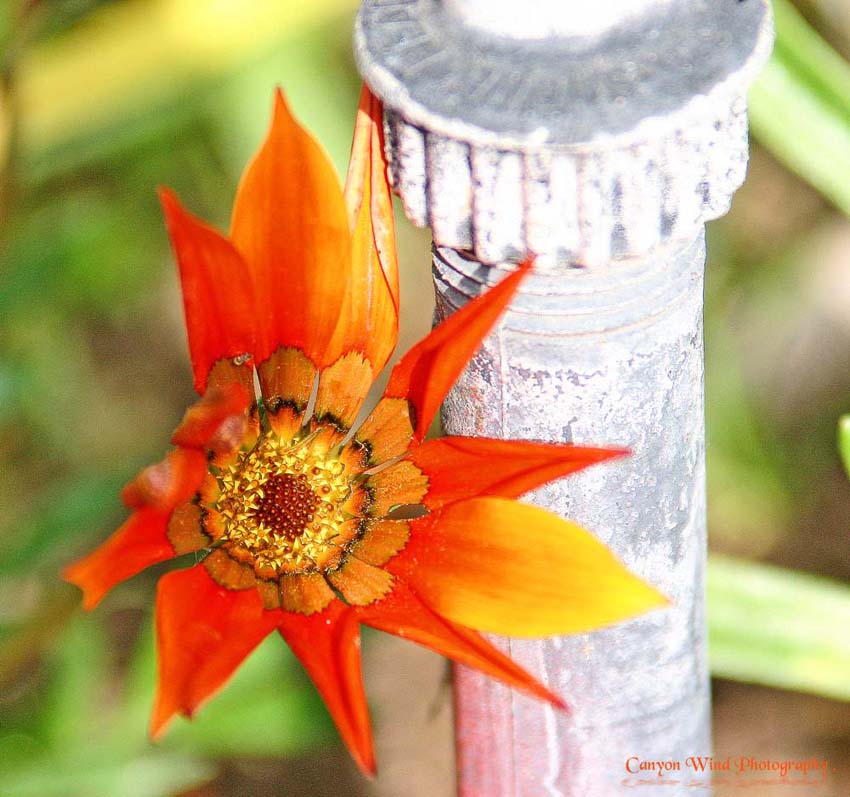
(597, 356)
(601, 142)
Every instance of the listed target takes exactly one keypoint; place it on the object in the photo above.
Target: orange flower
(296, 509)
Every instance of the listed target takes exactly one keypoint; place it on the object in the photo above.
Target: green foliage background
(102, 101)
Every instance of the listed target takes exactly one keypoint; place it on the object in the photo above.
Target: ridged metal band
(580, 150)
(569, 208)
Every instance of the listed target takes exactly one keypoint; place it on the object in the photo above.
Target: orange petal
(369, 319)
(227, 572)
(403, 613)
(360, 583)
(465, 467)
(208, 421)
(518, 570)
(399, 484)
(218, 296)
(185, 529)
(387, 432)
(328, 645)
(306, 593)
(139, 543)
(381, 540)
(427, 372)
(343, 387)
(286, 381)
(204, 632)
(167, 483)
(290, 224)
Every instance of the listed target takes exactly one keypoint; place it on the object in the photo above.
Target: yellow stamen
(282, 505)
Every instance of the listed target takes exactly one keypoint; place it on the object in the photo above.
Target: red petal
(204, 632)
(139, 543)
(218, 297)
(369, 321)
(328, 645)
(204, 419)
(464, 467)
(427, 372)
(290, 224)
(404, 614)
(167, 483)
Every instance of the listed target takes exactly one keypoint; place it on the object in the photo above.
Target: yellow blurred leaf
(131, 53)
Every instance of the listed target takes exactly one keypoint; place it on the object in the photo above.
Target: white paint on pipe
(540, 19)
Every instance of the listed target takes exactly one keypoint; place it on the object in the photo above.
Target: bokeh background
(103, 100)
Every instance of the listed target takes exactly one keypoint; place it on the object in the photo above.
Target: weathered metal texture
(600, 137)
(579, 148)
(588, 356)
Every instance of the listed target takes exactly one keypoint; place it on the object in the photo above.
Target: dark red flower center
(287, 506)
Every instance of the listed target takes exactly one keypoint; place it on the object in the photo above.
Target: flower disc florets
(283, 506)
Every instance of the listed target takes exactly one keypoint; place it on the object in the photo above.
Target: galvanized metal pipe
(616, 357)
(601, 140)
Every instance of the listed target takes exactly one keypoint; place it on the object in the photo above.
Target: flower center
(283, 507)
(287, 506)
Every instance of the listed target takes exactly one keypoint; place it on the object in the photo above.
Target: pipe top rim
(623, 85)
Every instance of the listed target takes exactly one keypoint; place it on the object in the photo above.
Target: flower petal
(343, 387)
(387, 432)
(185, 529)
(306, 593)
(204, 632)
(203, 425)
(290, 224)
(227, 572)
(328, 645)
(510, 568)
(381, 540)
(404, 614)
(218, 295)
(427, 372)
(286, 380)
(359, 582)
(143, 540)
(168, 483)
(139, 543)
(399, 484)
(465, 467)
(369, 319)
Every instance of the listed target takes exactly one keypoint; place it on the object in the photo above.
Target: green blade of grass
(800, 107)
(844, 442)
(778, 628)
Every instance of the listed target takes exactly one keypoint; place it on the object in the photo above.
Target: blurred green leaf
(7, 15)
(752, 488)
(145, 776)
(77, 251)
(76, 750)
(778, 628)
(844, 442)
(93, 742)
(73, 507)
(140, 60)
(69, 719)
(800, 106)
